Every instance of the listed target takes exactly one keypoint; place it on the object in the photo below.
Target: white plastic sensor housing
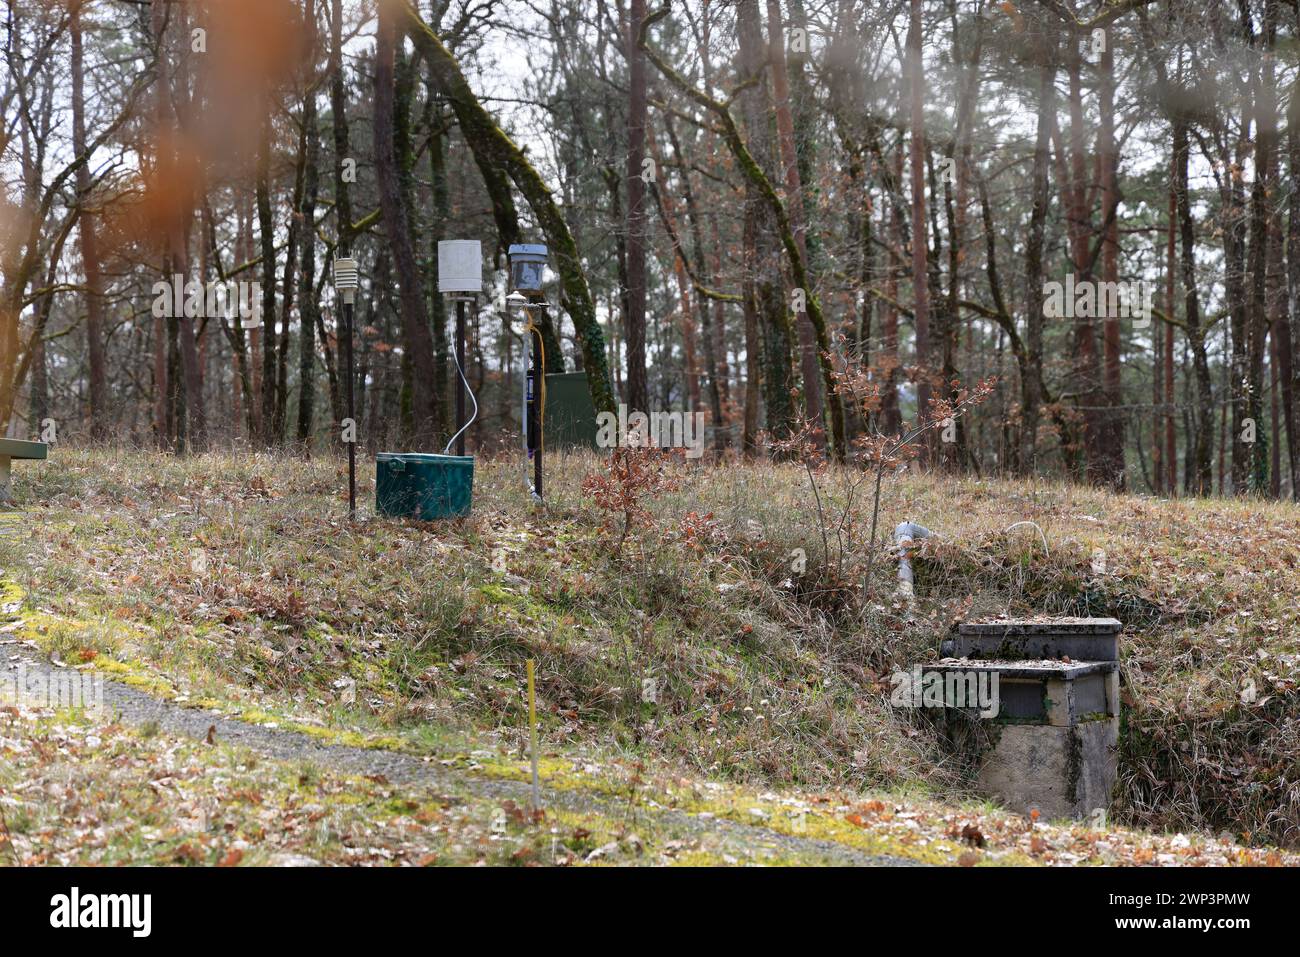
(345, 278)
(460, 265)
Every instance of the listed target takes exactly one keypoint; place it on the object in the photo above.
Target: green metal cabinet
(570, 415)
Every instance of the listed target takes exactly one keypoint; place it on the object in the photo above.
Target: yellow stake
(532, 732)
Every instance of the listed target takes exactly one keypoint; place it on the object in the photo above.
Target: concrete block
(1079, 639)
(1063, 772)
(1052, 743)
(1059, 702)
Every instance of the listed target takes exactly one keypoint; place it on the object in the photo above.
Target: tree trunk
(266, 237)
(1260, 215)
(1280, 351)
(39, 397)
(196, 425)
(1087, 378)
(158, 22)
(763, 264)
(307, 307)
(708, 334)
(1290, 368)
(668, 212)
(1171, 300)
(417, 341)
(891, 417)
(438, 304)
(920, 250)
(89, 245)
(493, 148)
(339, 119)
(294, 230)
(809, 362)
(1201, 456)
(1112, 438)
(1031, 378)
(634, 333)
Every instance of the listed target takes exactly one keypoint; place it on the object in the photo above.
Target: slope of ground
(730, 642)
(140, 780)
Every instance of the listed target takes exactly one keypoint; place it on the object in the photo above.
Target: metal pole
(526, 406)
(352, 446)
(539, 411)
(460, 382)
(532, 407)
(532, 735)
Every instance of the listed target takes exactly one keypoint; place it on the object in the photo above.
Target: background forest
(738, 198)
(1049, 250)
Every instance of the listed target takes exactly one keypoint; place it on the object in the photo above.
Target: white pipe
(1047, 550)
(904, 535)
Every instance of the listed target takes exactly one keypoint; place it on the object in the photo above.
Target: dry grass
(762, 673)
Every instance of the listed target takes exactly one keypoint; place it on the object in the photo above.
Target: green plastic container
(422, 486)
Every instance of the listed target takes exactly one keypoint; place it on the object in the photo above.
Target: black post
(533, 413)
(539, 384)
(352, 446)
(460, 378)
(530, 409)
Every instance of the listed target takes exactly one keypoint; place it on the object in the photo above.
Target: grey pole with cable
(460, 278)
(460, 364)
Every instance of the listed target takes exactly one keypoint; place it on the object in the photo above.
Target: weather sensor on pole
(423, 485)
(527, 270)
(460, 278)
(345, 284)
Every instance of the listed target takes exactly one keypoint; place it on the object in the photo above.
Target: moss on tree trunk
(491, 146)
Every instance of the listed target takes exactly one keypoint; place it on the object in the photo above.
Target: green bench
(16, 449)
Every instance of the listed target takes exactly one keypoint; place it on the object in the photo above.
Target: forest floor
(283, 686)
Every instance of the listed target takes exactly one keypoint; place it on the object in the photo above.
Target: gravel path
(137, 707)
